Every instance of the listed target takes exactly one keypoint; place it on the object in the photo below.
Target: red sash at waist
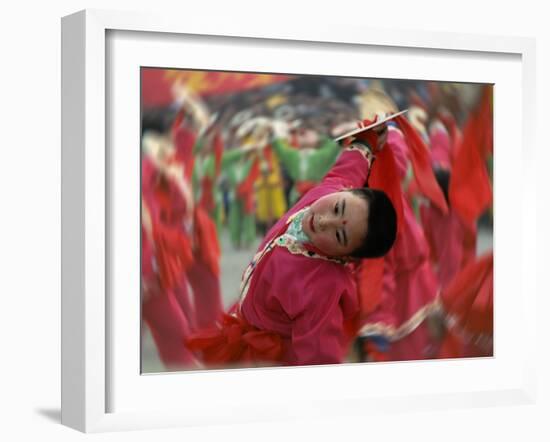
(235, 342)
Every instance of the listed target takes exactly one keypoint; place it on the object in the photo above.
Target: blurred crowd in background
(226, 154)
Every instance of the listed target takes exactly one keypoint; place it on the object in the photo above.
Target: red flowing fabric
(384, 176)
(369, 276)
(470, 189)
(419, 156)
(206, 237)
(173, 253)
(178, 120)
(451, 347)
(245, 189)
(184, 140)
(157, 83)
(172, 245)
(171, 207)
(207, 195)
(469, 245)
(156, 89)
(469, 299)
(207, 183)
(236, 341)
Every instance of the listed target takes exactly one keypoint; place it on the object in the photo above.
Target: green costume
(306, 166)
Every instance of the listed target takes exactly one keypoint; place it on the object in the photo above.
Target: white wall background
(30, 217)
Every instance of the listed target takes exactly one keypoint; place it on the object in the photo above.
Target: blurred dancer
(166, 255)
(467, 311)
(203, 275)
(461, 166)
(470, 188)
(208, 154)
(270, 196)
(176, 250)
(241, 167)
(307, 162)
(452, 242)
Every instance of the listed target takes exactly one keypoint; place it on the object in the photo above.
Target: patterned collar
(295, 229)
(297, 242)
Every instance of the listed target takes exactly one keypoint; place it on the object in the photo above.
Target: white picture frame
(87, 356)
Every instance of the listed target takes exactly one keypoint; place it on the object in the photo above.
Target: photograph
(295, 220)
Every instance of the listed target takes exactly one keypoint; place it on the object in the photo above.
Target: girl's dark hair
(381, 224)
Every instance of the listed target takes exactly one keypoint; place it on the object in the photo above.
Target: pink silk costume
(294, 301)
(440, 147)
(409, 290)
(169, 212)
(452, 243)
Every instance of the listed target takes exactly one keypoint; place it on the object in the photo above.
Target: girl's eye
(336, 209)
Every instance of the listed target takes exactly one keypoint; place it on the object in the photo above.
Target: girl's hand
(382, 135)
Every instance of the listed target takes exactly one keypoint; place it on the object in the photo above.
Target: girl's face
(336, 224)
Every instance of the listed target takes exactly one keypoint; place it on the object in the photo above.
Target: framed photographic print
(214, 241)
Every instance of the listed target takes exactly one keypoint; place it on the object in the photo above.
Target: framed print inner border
(88, 206)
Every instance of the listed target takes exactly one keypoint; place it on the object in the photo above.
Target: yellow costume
(270, 197)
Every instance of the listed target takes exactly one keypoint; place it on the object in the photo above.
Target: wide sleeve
(289, 157)
(326, 155)
(396, 142)
(231, 156)
(351, 169)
